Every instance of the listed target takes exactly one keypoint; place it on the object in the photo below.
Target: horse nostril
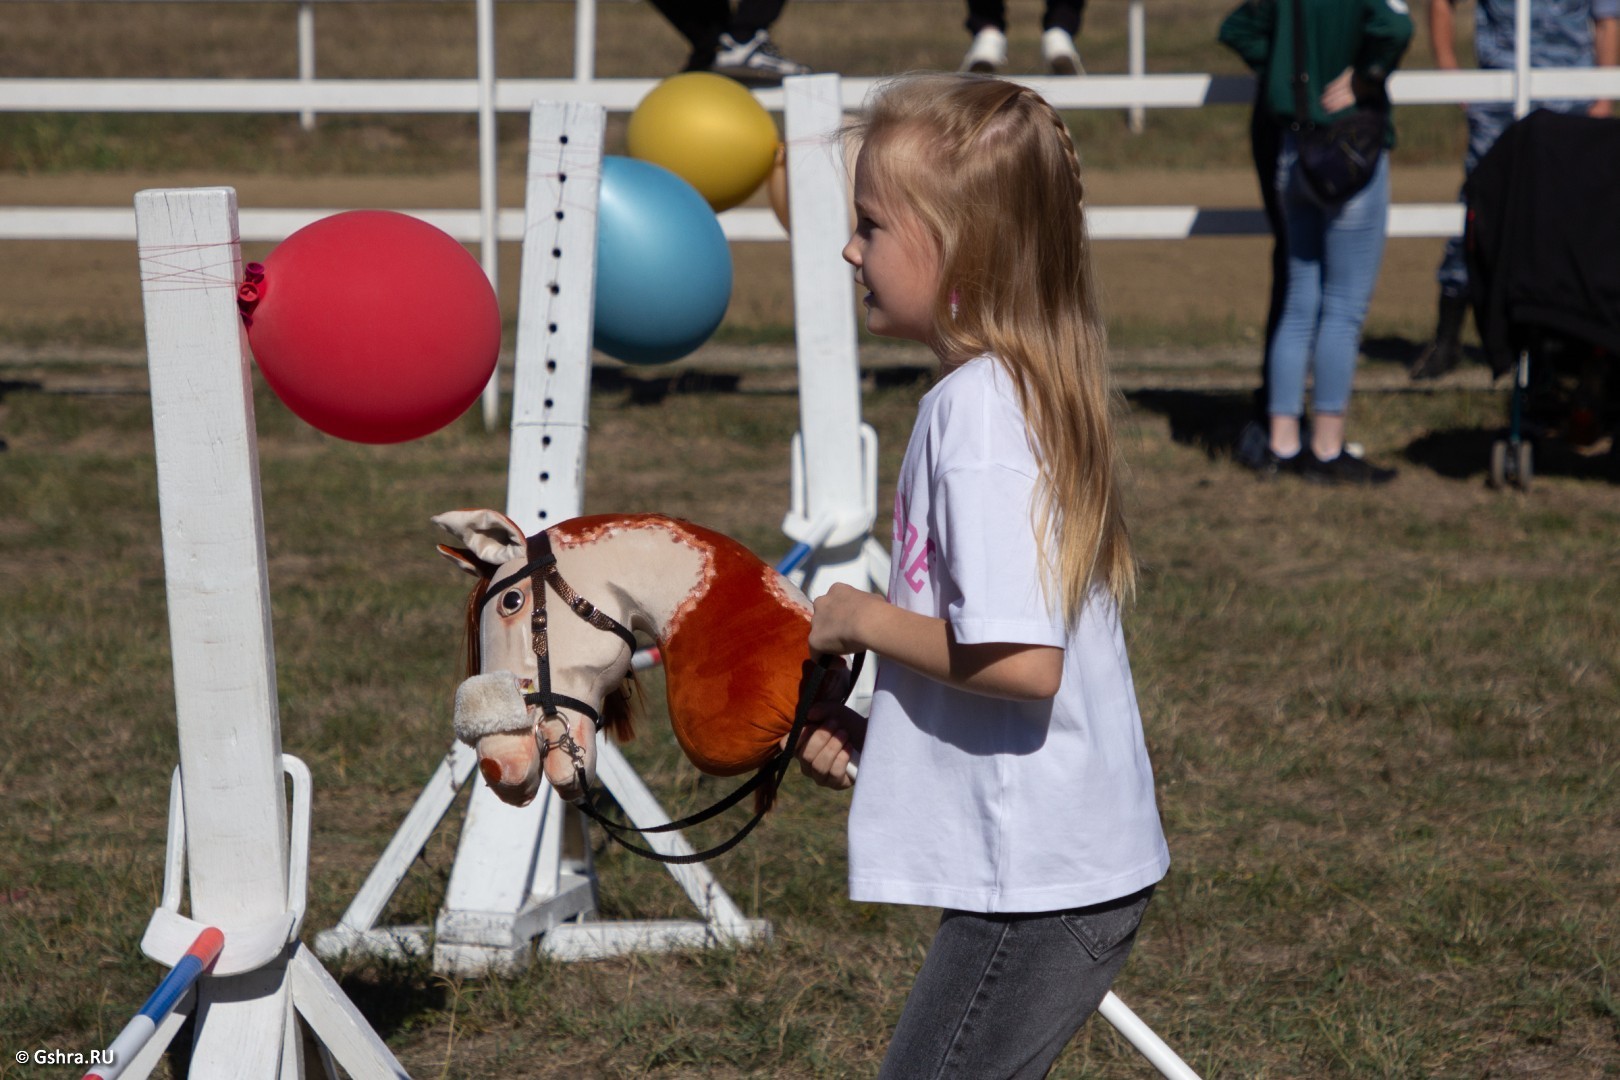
(491, 770)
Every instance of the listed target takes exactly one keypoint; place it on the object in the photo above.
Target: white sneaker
(1057, 49)
(988, 53)
(755, 60)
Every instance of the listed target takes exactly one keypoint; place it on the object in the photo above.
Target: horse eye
(511, 601)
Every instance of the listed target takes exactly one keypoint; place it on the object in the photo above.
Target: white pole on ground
(584, 40)
(1136, 34)
(219, 605)
(245, 862)
(488, 205)
(306, 56)
(1521, 59)
(834, 465)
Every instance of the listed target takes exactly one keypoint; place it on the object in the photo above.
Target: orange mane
(734, 652)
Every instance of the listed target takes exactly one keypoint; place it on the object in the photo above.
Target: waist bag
(1337, 160)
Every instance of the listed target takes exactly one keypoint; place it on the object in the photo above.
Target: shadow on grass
(1404, 352)
(1465, 453)
(1209, 420)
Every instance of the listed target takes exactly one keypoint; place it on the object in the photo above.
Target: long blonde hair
(989, 169)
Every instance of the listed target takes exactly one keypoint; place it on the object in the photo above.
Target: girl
(1004, 776)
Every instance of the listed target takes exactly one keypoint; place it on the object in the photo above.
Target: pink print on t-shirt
(906, 536)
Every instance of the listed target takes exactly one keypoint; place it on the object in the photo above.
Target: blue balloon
(663, 268)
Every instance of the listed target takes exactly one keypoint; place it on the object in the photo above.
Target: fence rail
(485, 96)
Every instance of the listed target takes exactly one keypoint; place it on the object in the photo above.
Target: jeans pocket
(1101, 928)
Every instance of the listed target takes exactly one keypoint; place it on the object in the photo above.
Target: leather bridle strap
(541, 572)
(771, 773)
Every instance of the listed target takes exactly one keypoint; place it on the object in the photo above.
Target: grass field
(1382, 722)
(1382, 725)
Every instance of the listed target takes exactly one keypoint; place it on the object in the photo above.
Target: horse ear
(466, 561)
(488, 535)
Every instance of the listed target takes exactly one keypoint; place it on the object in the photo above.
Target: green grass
(1382, 724)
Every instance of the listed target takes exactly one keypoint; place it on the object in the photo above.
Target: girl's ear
(488, 535)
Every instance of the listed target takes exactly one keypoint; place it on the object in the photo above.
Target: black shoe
(1270, 464)
(1343, 469)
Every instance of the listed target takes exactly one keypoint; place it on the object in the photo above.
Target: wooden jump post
(230, 837)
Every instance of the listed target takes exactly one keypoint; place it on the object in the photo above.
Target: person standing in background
(737, 43)
(1563, 33)
(987, 22)
(1335, 248)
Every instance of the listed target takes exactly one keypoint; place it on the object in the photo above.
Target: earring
(956, 298)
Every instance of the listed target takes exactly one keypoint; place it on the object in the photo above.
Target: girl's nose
(852, 254)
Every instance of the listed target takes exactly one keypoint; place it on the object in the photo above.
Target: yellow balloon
(708, 130)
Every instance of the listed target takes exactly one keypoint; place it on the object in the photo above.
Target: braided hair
(990, 170)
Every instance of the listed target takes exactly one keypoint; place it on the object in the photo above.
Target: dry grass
(1382, 724)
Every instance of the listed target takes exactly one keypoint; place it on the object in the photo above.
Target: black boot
(1444, 353)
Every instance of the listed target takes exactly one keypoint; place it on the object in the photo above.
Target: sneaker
(988, 53)
(1345, 468)
(755, 60)
(1057, 49)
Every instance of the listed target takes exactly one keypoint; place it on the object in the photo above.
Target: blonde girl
(1004, 776)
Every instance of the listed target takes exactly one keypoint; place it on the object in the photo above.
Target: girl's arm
(849, 620)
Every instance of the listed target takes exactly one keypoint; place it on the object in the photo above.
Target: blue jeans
(1333, 261)
(999, 996)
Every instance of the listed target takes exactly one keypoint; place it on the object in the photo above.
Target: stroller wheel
(1524, 465)
(1500, 468)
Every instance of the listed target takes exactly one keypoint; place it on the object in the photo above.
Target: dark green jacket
(1368, 35)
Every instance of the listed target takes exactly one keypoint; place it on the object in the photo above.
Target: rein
(542, 572)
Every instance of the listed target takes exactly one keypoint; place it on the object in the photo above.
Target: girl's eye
(511, 601)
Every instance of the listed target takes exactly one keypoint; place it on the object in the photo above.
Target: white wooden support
(823, 299)
(233, 825)
(1136, 47)
(510, 881)
(357, 930)
(834, 462)
(525, 872)
(306, 56)
(489, 246)
(551, 385)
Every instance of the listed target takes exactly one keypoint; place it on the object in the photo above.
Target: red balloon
(373, 326)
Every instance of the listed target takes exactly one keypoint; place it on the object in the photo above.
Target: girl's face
(894, 259)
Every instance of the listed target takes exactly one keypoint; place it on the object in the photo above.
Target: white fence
(485, 96)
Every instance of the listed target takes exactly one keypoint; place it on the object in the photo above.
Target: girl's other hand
(825, 750)
(835, 625)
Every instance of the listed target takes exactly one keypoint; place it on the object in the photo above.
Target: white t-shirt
(978, 803)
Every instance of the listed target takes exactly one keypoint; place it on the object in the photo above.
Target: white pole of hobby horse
(228, 814)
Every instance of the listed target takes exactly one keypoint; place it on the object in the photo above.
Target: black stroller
(1543, 248)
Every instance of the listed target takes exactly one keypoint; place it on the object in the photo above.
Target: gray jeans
(999, 996)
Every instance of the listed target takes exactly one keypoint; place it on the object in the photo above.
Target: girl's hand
(824, 750)
(1337, 94)
(835, 626)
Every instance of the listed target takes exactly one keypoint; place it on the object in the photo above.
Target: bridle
(541, 572)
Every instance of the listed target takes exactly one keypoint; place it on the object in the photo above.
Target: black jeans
(701, 22)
